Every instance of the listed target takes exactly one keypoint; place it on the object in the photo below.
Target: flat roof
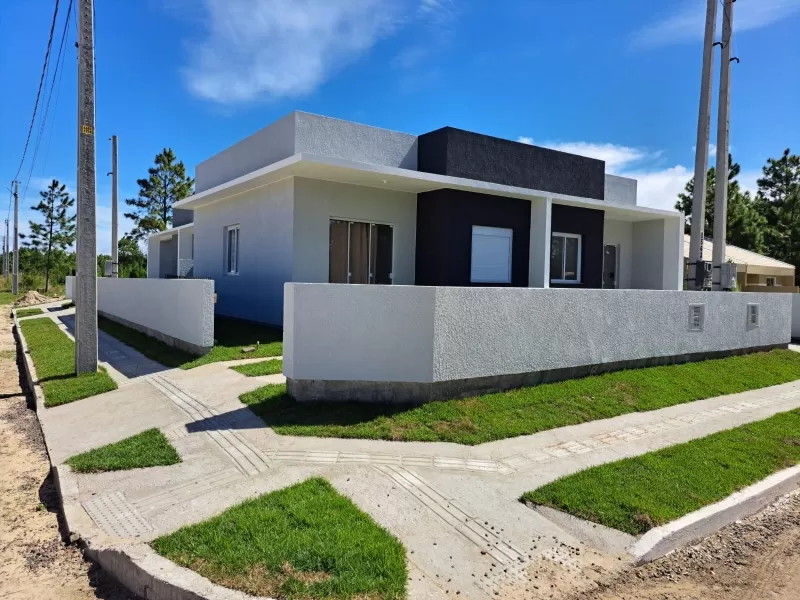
(403, 180)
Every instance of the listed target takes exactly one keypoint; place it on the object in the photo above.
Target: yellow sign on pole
(87, 129)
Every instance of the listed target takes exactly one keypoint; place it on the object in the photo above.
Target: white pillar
(539, 265)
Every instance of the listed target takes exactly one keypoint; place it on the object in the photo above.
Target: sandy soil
(34, 563)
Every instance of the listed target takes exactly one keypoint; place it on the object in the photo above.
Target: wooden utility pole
(114, 232)
(701, 150)
(15, 274)
(86, 243)
(723, 130)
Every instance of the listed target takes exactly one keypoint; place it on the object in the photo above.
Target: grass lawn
(147, 449)
(527, 410)
(231, 336)
(8, 297)
(28, 312)
(53, 355)
(637, 494)
(265, 367)
(305, 541)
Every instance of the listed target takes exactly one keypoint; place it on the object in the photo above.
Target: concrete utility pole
(86, 244)
(114, 180)
(15, 275)
(6, 250)
(723, 130)
(701, 148)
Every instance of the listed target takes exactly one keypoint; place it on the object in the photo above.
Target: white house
(312, 199)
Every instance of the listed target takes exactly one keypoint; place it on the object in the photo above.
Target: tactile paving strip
(116, 516)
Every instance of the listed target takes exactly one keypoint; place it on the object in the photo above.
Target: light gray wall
(648, 259)
(181, 309)
(620, 233)
(153, 256)
(796, 315)
(300, 132)
(182, 216)
(265, 217)
(316, 202)
(539, 261)
(168, 257)
(426, 335)
(324, 136)
(620, 190)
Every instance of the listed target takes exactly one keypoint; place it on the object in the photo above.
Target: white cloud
(276, 48)
(687, 24)
(660, 188)
(615, 156)
(439, 13)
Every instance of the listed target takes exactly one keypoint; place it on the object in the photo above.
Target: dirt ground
(34, 563)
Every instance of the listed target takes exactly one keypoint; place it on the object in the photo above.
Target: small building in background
(754, 272)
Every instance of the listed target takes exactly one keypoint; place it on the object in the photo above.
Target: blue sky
(617, 79)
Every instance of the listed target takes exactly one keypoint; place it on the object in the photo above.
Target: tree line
(767, 223)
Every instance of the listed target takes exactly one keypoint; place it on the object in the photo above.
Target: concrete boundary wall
(413, 344)
(69, 287)
(795, 316)
(178, 312)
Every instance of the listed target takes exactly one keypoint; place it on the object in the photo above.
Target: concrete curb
(690, 528)
(134, 564)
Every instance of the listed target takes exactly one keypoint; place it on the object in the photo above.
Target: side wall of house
(648, 260)
(153, 256)
(265, 220)
(316, 202)
(620, 234)
(168, 257)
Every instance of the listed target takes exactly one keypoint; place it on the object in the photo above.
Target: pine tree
(165, 184)
(746, 226)
(132, 261)
(57, 231)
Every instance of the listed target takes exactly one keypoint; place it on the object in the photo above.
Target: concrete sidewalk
(455, 508)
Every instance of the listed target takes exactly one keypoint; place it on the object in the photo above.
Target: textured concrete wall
(266, 146)
(795, 315)
(620, 234)
(324, 136)
(300, 132)
(620, 190)
(317, 202)
(428, 335)
(265, 218)
(181, 309)
(390, 339)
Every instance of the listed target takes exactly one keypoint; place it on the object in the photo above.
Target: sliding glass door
(360, 252)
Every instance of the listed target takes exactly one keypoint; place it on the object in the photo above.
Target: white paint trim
(171, 230)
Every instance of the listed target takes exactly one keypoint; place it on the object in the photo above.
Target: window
(360, 252)
(771, 281)
(491, 255)
(232, 250)
(697, 317)
(565, 258)
(752, 316)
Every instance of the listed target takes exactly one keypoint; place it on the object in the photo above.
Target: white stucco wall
(153, 256)
(300, 132)
(539, 259)
(620, 190)
(620, 234)
(648, 259)
(422, 334)
(796, 315)
(316, 202)
(265, 218)
(182, 309)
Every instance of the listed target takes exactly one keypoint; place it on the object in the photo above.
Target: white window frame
(564, 257)
(504, 232)
(236, 253)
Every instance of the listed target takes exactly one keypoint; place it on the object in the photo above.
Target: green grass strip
(147, 449)
(265, 367)
(28, 312)
(305, 541)
(232, 335)
(527, 410)
(637, 494)
(53, 355)
(9, 298)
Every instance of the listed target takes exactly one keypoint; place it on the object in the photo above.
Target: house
(754, 272)
(319, 200)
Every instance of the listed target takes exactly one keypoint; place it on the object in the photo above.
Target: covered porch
(170, 253)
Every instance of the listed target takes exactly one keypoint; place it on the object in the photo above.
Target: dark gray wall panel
(460, 153)
(588, 223)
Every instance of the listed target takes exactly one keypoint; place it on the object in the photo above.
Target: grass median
(53, 355)
(231, 337)
(305, 541)
(28, 312)
(259, 369)
(637, 494)
(147, 449)
(527, 410)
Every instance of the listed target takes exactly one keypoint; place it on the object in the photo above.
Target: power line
(39, 91)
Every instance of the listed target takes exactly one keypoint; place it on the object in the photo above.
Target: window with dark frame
(232, 250)
(565, 258)
(360, 252)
